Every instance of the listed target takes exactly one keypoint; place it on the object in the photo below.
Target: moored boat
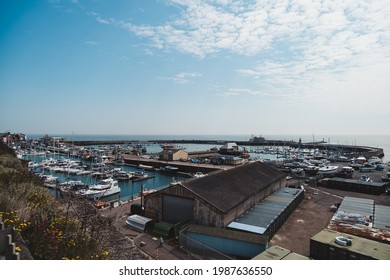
(170, 169)
(198, 175)
(105, 188)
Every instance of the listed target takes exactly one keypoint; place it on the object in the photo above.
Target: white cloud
(257, 27)
(183, 77)
(102, 21)
(300, 49)
(239, 92)
(90, 43)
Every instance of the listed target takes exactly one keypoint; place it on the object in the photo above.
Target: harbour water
(381, 141)
(129, 189)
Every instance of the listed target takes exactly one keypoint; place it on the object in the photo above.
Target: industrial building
(325, 246)
(216, 199)
(362, 217)
(226, 214)
(359, 230)
(267, 216)
(376, 188)
(226, 160)
(248, 235)
(279, 253)
(219, 243)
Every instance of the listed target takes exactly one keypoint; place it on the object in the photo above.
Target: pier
(184, 167)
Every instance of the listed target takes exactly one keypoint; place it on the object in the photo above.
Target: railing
(196, 248)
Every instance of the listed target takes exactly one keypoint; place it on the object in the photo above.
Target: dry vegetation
(49, 228)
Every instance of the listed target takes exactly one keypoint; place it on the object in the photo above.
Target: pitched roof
(229, 146)
(227, 189)
(171, 151)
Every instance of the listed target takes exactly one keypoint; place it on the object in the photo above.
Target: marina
(76, 174)
(140, 164)
(154, 180)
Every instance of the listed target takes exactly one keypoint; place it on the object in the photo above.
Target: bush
(53, 229)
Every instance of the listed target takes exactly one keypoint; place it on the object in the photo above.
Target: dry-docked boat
(329, 169)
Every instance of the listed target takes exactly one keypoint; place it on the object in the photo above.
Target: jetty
(183, 167)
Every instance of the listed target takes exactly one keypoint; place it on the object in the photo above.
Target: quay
(184, 167)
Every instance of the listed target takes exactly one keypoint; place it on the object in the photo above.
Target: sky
(195, 67)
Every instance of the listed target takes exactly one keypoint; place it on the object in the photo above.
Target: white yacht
(374, 160)
(329, 169)
(104, 188)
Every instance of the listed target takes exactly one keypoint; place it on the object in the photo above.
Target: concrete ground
(145, 242)
(314, 214)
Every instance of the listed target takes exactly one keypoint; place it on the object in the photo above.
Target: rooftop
(170, 151)
(361, 217)
(279, 253)
(228, 234)
(263, 214)
(228, 188)
(362, 246)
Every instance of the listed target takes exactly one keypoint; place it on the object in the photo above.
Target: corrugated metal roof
(162, 228)
(263, 214)
(228, 234)
(358, 182)
(248, 228)
(359, 211)
(382, 217)
(356, 211)
(360, 200)
(138, 222)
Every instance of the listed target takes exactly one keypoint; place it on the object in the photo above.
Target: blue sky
(195, 67)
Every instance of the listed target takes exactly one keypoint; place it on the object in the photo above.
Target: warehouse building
(216, 243)
(362, 217)
(334, 245)
(376, 188)
(217, 199)
(248, 235)
(267, 216)
(279, 253)
(227, 214)
(359, 230)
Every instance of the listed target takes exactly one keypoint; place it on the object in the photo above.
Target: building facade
(173, 154)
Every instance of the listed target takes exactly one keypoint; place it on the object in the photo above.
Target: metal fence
(195, 247)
